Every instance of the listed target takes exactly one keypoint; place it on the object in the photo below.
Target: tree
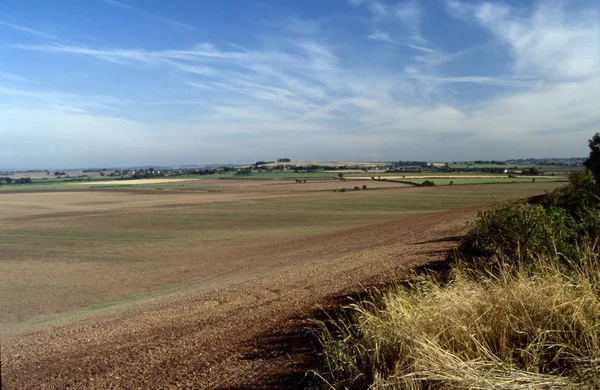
(593, 162)
(533, 171)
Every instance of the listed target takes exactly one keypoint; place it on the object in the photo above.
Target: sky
(116, 83)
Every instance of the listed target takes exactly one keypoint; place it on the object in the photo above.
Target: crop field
(443, 181)
(102, 265)
(61, 252)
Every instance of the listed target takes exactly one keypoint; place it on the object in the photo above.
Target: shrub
(428, 183)
(519, 230)
(579, 197)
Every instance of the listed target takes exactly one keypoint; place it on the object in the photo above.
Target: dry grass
(522, 329)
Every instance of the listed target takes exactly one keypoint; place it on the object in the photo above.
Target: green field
(465, 180)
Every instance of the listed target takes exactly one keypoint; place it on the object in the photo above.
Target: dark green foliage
(428, 183)
(518, 230)
(23, 180)
(579, 197)
(533, 171)
(593, 162)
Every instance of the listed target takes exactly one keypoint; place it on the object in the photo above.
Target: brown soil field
(197, 289)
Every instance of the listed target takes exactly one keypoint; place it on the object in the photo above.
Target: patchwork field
(93, 265)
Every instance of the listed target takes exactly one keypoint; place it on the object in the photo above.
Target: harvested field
(136, 182)
(173, 288)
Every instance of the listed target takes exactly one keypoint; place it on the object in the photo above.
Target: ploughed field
(114, 288)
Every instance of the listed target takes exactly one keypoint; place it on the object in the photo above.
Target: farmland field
(97, 265)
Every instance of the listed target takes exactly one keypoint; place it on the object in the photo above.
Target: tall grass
(522, 327)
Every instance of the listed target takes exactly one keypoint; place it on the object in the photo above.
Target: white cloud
(551, 41)
(12, 76)
(29, 30)
(142, 12)
(410, 14)
(385, 37)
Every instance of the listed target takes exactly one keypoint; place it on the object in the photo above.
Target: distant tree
(283, 160)
(428, 183)
(340, 175)
(593, 162)
(8, 180)
(533, 171)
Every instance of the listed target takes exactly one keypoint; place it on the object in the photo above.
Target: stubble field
(75, 261)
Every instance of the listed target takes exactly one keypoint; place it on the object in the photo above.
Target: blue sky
(132, 82)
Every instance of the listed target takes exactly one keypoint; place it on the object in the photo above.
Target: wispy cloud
(12, 76)
(205, 50)
(550, 41)
(410, 14)
(483, 80)
(29, 30)
(147, 14)
(385, 37)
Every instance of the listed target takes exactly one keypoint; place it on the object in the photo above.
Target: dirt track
(213, 339)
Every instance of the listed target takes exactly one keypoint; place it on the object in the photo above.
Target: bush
(519, 230)
(428, 183)
(579, 197)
